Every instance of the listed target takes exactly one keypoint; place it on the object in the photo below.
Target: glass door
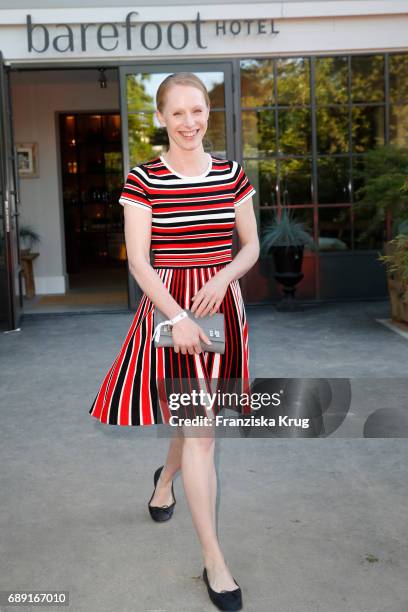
(143, 138)
(11, 295)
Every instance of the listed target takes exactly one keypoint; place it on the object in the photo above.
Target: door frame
(231, 69)
(228, 67)
(12, 307)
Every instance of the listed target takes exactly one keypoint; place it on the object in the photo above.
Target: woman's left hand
(208, 299)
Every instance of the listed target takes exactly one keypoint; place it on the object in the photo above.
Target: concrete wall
(36, 97)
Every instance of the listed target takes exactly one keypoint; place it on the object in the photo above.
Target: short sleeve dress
(192, 220)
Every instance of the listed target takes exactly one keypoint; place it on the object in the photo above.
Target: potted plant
(384, 196)
(286, 238)
(28, 237)
(396, 261)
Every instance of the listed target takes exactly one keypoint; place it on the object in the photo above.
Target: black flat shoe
(161, 513)
(224, 600)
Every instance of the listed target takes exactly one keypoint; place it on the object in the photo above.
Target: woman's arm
(208, 299)
(138, 226)
(247, 256)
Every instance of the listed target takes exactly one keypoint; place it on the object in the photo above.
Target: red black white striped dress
(193, 220)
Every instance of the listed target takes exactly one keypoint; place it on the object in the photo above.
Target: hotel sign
(134, 35)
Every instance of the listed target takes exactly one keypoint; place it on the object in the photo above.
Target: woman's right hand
(187, 335)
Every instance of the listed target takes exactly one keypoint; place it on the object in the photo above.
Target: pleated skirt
(131, 392)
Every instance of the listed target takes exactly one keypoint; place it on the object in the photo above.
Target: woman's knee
(201, 441)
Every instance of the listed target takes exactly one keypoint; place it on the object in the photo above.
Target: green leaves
(284, 230)
(384, 177)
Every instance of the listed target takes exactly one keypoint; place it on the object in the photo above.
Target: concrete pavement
(305, 525)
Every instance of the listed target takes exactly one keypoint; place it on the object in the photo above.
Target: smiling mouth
(189, 134)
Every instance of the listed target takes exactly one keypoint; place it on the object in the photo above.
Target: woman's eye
(198, 111)
(176, 113)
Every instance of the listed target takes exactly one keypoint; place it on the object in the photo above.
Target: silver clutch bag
(213, 327)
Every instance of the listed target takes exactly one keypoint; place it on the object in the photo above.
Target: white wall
(36, 97)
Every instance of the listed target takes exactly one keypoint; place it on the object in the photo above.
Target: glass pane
(363, 217)
(399, 125)
(293, 80)
(331, 80)
(89, 128)
(367, 127)
(215, 140)
(262, 175)
(141, 91)
(146, 140)
(375, 239)
(300, 215)
(114, 184)
(332, 129)
(358, 164)
(69, 130)
(111, 128)
(113, 161)
(257, 83)
(334, 228)
(258, 132)
(399, 78)
(295, 181)
(91, 159)
(294, 131)
(142, 88)
(333, 180)
(367, 78)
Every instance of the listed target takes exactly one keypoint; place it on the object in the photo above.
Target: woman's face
(185, 116)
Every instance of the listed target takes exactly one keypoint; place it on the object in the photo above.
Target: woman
(184, 206)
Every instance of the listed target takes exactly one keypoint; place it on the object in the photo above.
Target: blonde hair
(179, 78)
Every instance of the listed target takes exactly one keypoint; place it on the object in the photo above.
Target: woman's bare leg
(199, 480)
(172, 465)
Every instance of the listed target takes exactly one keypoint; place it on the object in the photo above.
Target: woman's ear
(160, 118)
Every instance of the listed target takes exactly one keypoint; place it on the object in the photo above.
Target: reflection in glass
(299, 215)
(332, 129)
(358, 80)
(70, 130)
(113, 161)
(295, 134)
(142, 88)
(293, 80)
(215, 140)
(363, 216)
(367, 78)
(398, 68)
(140, 94)
(367, 127)
(114, 183)
(375, 240)
(399, 125)
(146, 141)
(257, 83)
(258, 132)
(111, 128)
(89, 128)
(333, 180)
(262, 175)
(295, 181)
(358, 163)
(334, 228)
(331, 78)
